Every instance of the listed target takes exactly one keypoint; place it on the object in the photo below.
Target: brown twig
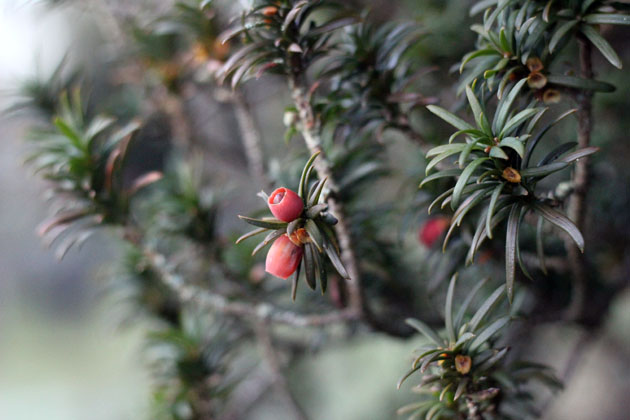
(581, 176)
(310, 127)
(179, 119)
(270, 355)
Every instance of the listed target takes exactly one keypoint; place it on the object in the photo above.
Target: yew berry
(285, 204)
(283, 257)
(433, 229)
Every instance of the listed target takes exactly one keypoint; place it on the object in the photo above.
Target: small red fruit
(283, 257)
(433, 229)
(285, 204)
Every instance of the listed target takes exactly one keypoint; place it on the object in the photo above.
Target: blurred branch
(261, 311)
(577, 210)
(174, 107)
(272, 360)
(250, 133)
(248, 395)
(557, 264)
(106, 18)
(473, 410)
(415, 137)
(580, 347)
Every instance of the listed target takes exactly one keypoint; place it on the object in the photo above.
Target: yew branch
(189, 293)
(581, 176)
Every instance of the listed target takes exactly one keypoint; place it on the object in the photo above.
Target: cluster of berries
(285, 254)
(302, 233)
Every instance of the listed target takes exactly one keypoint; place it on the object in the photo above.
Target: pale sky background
(28, 37)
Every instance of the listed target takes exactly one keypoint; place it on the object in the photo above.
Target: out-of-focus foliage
(41, 94)
(84, 159)
(374, 79)
(193, 367)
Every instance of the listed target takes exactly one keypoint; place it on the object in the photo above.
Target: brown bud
(552, 96)
(536, 80)
(511, 175)
(300, 237)
(534, 64)
(463, 364)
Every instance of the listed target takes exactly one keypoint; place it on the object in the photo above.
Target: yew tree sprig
(464, 365)
(495, 172)
(374, 79)
(195, 365)
(282, 37)
(301, 232)
(83, 158)
(516, 33)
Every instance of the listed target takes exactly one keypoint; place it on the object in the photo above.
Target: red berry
(433, 229)
(285, 204)
(283, 257)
